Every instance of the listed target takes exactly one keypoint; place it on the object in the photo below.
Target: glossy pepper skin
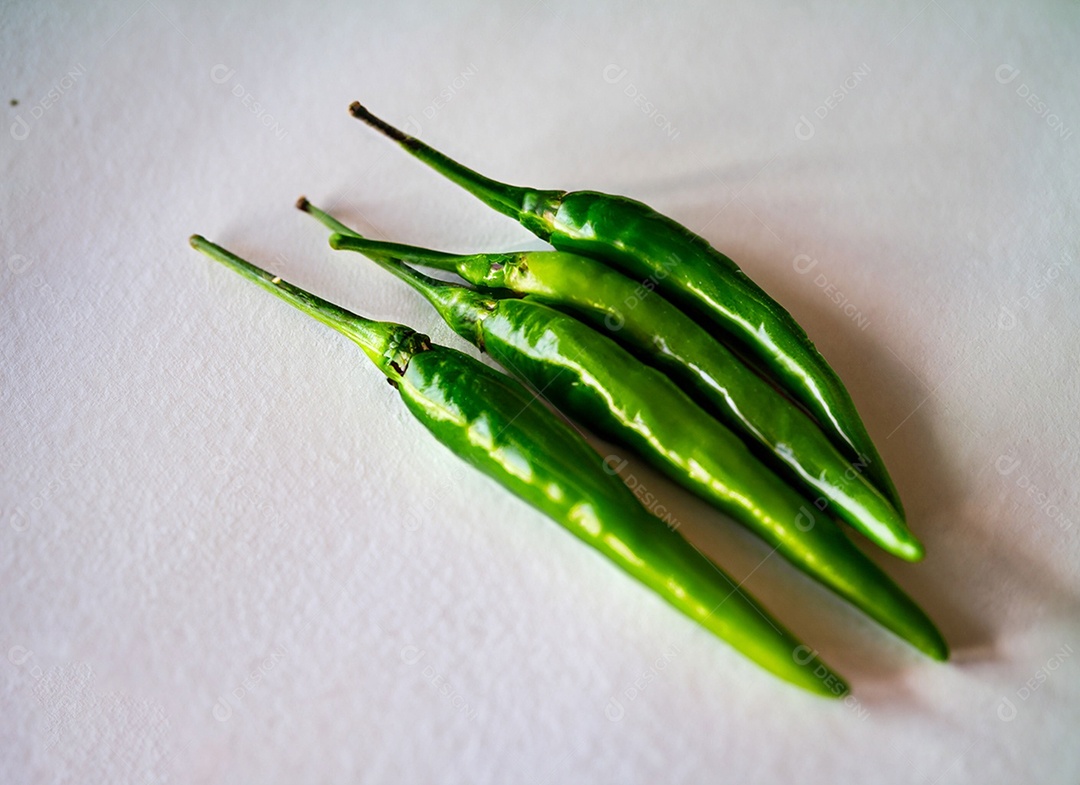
(593, 380)
(646, 245)
(495, 425)
(647, 323)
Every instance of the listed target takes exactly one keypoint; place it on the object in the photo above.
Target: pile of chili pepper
(639, 329)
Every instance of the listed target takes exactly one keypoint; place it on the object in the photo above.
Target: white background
(228, 555)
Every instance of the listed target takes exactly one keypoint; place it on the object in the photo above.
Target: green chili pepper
(649, 324)
(593, 380)
(495, 425)
(646, 245)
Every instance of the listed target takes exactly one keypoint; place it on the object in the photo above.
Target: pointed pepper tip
(905, 545)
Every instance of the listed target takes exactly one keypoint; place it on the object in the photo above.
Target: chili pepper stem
(323, 217)
(477, 269)
(381, 341)
(354, 241)
(515, 201)
(461, 307)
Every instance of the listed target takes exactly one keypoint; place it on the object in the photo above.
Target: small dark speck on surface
(14, 101)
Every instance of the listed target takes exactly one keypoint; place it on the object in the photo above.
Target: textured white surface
(228, 555)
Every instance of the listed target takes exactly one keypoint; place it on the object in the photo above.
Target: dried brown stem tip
(357, 110)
